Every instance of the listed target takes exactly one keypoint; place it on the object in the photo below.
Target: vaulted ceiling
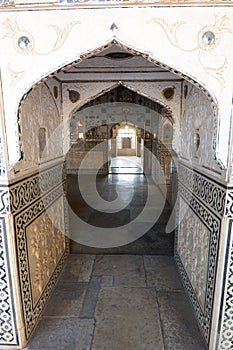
(115, 64)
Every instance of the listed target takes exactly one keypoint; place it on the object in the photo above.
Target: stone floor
(118, 302)
(154, 241)
(126, 165)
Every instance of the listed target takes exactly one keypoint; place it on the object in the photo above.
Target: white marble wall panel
(198, 117)
(193, 248)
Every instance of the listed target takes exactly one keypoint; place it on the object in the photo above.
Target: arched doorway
(190, 277)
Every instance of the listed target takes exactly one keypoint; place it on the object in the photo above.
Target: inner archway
(76, 94)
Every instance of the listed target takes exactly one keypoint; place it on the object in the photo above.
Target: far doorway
(126, 150)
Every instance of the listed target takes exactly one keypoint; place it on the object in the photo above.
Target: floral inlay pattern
(46, 244)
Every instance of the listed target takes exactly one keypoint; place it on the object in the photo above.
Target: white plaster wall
(59, 37)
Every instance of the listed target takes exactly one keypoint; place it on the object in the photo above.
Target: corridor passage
(123, 298)
(155, 241)
(118, 302)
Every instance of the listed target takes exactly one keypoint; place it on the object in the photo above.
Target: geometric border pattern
(22, 220)
(209, 191)
(26, 191)
(229, 203)
(212, 220)
(4, 200)
(8, 329)
(226, 331)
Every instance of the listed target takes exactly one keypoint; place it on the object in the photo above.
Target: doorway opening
(98, 127)
(126, 149)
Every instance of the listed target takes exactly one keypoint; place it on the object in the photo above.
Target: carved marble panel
(31, 253)
(193, 249)
(200, 234)
(46, 244)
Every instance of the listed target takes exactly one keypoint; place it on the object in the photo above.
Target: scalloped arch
(149, 57)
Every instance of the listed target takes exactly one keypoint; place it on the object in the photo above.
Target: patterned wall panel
(28, 190)
(32, 201)
(163, 154)
(46, 245)
(210, 192)
(226, 323)
(229, 203)
(4, 200)
(24, 224)
(205, 198)
(193, 241)
(8, 329)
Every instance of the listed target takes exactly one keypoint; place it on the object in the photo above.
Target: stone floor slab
(78, 268)
(179, 326)
(66, 299)
(63, 334)
(91, 297)
(161, 273)
(127, 270)
(127, 319)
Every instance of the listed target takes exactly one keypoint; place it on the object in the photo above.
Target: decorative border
(4, 200)
(8, 329)
(225, 322)
(28, 190)
(212, 221)
(229, 203)
(211, 193)
(21, 221)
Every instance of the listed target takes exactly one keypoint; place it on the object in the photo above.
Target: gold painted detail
(46, 245)
(13, 31)
(219, 27)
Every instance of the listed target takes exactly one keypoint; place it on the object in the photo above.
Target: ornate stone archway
(204, 196)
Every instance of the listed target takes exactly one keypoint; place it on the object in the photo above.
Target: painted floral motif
(13, 31)
(218, 28)
(46, 245)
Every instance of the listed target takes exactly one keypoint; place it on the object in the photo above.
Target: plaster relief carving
(220, 26)
(14, 31)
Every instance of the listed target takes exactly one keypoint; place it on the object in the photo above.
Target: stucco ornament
(13, 31)
(174, 31)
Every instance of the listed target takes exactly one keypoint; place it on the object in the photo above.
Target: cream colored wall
(38, 110)
(54, 34)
